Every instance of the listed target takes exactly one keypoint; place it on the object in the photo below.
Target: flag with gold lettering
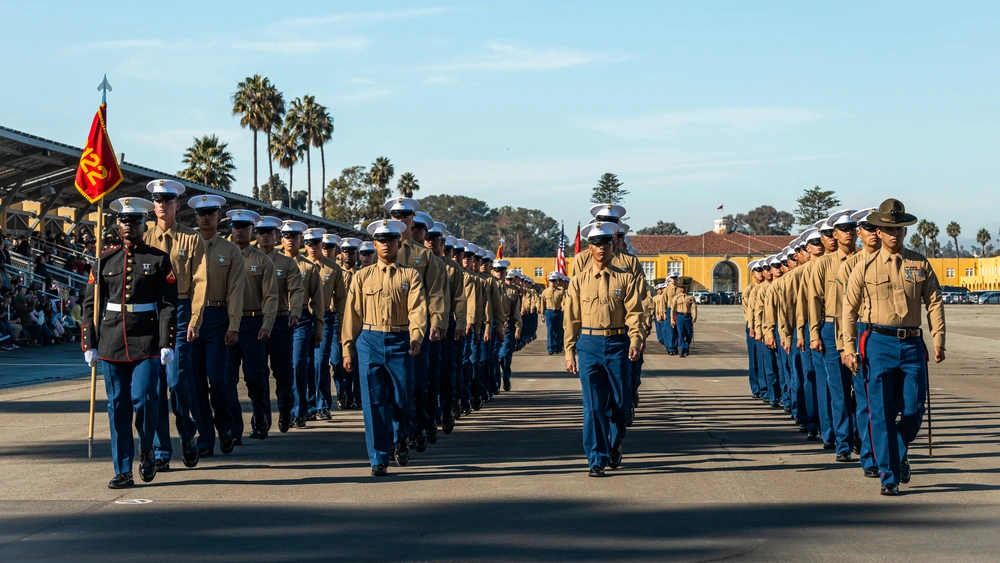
(98, 172)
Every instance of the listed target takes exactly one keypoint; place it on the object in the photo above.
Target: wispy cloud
(505, 56)
(664, 125)
(286, 46)
(356, 18)
(439, 80)
(363, 90)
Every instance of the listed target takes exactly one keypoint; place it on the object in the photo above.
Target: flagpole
(96, 320)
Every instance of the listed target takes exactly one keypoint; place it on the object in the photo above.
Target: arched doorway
(725, 277)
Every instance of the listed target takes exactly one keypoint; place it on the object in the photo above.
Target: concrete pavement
(708, 474)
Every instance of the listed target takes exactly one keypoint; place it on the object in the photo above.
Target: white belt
(132, 307)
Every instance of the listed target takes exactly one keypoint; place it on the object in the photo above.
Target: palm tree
(322, 136)
(286, 148)
(250, 103)
(407, 184)
(274, 116)
(915, 241)
(314, 126)
(932, 233)
(983, 238)
(209, 162)
(922, 227)
(381, 173)
(953, 230)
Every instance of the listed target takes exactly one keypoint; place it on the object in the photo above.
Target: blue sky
(693, 105)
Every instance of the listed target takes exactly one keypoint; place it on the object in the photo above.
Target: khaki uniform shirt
(495, 298)
(384, 295)
(760, 298)
(260, 292)
(291, 293)
(513, 300)
(475, 310)
(225, 277)
(432, 275)
(887, 289)
(683, 304)
(803, 297)
(608, 298)
(187, 257)
(334, 291)
(745, 301)
(553, 298)
(457, 294)
(313, 304)
(348, 274)
(789, 320)
(824, 297)
(843, 274)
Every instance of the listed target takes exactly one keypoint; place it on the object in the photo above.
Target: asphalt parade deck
(708, 474)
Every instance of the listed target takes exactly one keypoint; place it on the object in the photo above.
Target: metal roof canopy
(36, 169)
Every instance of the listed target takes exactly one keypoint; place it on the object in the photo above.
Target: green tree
(765, 220)
(915, 241)
(273, 117)
(661, 228)
(923, 229)
(815, 204)
(737, 223)
(933, 246)
(324, 133)
(983, 238)
(381, 173)
(286, 149)
(608, 190)
(407, 184)
(466, 217)
(250, 103)
(274, 190)
(528, 232)
(353, 198)
(209, 162)
(953, 230)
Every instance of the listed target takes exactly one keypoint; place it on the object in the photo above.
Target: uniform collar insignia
(618, 292)
(417, 261)
(222, 259)
(181, 252)
(146, 267)
(278, 272)
(326, 277)
(253, 267)
(405, 286)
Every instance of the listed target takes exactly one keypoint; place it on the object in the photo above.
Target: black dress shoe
(857, 445)
(238, 441)
(259, 432)
(162, 465)
(756, 395)
(342, 403)
(401, 454)
(766, 400)
(813, 436)
(788, 408)
(379, 471)
(325, 415)
(802, 429)
(283, 423)
(226, 443)
(631, 417)
(904, 471)
(871, 472)
(844, 457)
(596, 471)
(448, 424)
(432, 434)
(190, 455)
(311, 416)
(635, 397)
(829, 445)
(299, 422)
(147, 466)
(420, 442)
(121, 481)
(506, 385)
(616, 457)
(776, 405)
(477, 403)
(205, 452)
(890, 490)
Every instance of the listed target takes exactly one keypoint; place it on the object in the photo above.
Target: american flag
(561, 253)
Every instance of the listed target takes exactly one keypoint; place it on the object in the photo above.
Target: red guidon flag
(98, 172)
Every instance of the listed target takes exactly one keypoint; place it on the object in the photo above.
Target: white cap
(206, 201)
(821, 225)
(401, 204)
(623, 226)
(501, 264)
(170, 187)
(293, 227)
(471, 248)
(242, 216)
(512, 275)
(313, 234)
(861, 216)
(598, 229)
(461, 243)
(450, 241)
(627, 238)
(438, 228)
(484, 254)
(752, 265)
(810, 234)
(424, 219)
(842, 217)
(330, 239)
(131, 206)
(673, 275)
(773, 261)
(270, 221)
(386, 227)
(608, 212)
(349, 242)
(366, 246)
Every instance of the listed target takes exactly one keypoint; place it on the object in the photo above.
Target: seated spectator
(7, 328)
(24, 307)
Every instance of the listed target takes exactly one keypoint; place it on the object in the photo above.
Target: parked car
(990, 298)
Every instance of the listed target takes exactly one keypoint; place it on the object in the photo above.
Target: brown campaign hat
(892, 213)
(683, 281)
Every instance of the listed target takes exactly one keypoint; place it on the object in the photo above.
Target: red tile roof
(710, 243)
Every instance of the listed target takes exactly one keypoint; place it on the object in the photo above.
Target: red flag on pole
(576, 243)
(719, 207)
(500, 250)
(561, 253)
(98, 172)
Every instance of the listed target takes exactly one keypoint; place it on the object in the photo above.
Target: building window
(539, 272)
(970, 271)
(518, 270)
(649, 269)
(675, 268)
(949, 273)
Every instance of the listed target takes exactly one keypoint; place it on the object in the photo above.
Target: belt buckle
(607, 332)
(901, 333)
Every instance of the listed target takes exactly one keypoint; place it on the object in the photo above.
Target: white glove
(90, 356)
(166, 355)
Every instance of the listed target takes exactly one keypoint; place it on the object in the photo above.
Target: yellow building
(981, 274)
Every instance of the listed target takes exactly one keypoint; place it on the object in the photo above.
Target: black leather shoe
(121, 481)
(466, 407)
(506, 385)
(420, 442)
(259, 432)
(379, 471)
(631, 416)
(788, 408)
(829, 445)
(342, 405)
(284, 422)
(904, 471)
(147, 466)
(802, 429)
(857, 445)
(432, 434)
(596, 471)
(311, 416)
(448, 424)
(635, 397)
(190, 455)
(401, 454)
(813, 436)
(890, 490)
(756, 395)
(226, 443)
(477, 403)
(844, 457)
(325, 415)
(299, 422)
(238, 441)
(871, 473)
(204, 452)
(616, 457)
(162, 465)
(765, 400)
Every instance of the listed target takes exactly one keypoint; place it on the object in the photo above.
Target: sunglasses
(203, 211)
(846, 228)
(329, 246)
(241, 225)
(600, 241)
(265, 230)
(130, 219)
(383, 238)
(290, 235)
(400, 214)
(162, 198)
